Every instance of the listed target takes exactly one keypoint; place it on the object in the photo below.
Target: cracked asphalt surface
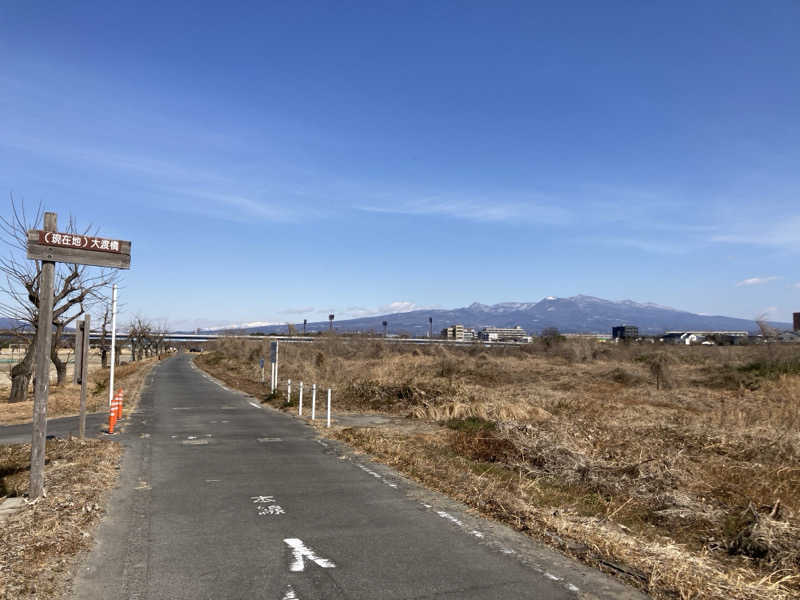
(219, 498)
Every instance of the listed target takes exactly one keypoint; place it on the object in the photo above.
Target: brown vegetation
(39, 543)
(675, 467)
(64, 400)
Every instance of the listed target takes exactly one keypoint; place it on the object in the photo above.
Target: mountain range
(578, 314)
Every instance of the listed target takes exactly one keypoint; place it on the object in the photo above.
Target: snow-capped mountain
(578, 314)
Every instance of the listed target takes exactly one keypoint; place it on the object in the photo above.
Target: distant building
(458, 333)
(503, 334)
(797, 321)
(625, 332)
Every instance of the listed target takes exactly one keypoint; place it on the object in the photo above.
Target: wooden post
(84, 350)
(44, 336)
(76, 372)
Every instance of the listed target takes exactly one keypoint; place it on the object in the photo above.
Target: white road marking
(477, 533)
(290, 594)
(377, 476)
(254, 404)
(300, 552)
(213, 480)
(573, 588)
(449, 517)
(551, 576)
(268, 439)
(366, 470)
(194, 442)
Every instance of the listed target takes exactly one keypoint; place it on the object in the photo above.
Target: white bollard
(289, 391)
(329, 408)
(300, 409)
(313, 401)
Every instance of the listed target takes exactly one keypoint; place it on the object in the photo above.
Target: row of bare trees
(146, 339)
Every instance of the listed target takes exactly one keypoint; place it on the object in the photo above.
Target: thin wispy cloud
(784, 233)
(303, 310)
(756, 281)
(480, 211)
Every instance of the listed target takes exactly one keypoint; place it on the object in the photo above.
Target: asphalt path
(221, 498)
(62, 427)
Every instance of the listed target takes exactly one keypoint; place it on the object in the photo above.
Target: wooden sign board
(80, 249)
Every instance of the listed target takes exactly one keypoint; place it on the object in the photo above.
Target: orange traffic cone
(118, 398)
(112, 417)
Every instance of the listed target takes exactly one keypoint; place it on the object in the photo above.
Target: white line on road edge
(290, 594)
(254, 404)
(300, 552)
(377, 476)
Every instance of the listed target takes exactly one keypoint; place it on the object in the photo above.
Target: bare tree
(105, 324)
(141, 337)
(768, 332)
(76, 287)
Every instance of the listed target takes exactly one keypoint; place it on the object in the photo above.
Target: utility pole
(430, 328)
(330, 322)
(113, 344)
(385, 328)
(44, 337)
(305, 321)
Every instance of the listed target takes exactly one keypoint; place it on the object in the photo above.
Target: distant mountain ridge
(578, 314)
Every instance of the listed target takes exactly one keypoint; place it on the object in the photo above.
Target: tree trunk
(104, 358)
(60, 365)
(21, 375)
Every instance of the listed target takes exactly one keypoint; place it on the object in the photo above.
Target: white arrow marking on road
(301, 552)
(290, 595)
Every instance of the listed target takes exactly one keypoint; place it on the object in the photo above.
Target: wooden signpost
(50, 246)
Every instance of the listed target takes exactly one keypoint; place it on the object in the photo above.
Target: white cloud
(756, 281)
(398, 306)
(783, 233)
(481, 211)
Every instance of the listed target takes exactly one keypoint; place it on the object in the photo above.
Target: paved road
(223, 499)
(61, 427)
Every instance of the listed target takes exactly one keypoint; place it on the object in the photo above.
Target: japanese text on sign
(84, 242)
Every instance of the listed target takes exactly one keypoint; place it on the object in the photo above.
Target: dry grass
(676, 467)
(64, 400)
(39, 543)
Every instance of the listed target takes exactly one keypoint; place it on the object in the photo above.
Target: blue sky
(272, 162)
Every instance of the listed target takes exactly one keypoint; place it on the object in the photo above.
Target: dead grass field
(39, 543)
(674, 467)
(64, 400)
